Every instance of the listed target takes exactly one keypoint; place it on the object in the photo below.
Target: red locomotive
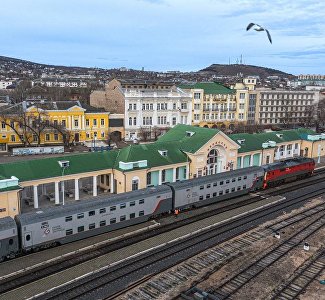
(288, 170)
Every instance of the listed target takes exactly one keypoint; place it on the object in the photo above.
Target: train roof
(215, 177)
(7, 223)
(287, 163)
(89, 204)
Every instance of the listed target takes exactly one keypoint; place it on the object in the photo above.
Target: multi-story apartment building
(149, 107)
(5, 83)
(214, 105)
(284, 107)
(32, 123)
(60, 82)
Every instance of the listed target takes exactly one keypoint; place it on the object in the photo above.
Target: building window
(174, 121)
(87, 122)
(3, 125)
(112, 221)
(149, 178)
(56, 137)
(102, 223)
(163, 175)
(130, 121)
(197, 96)
(80, 216)
(95, 122)
(47, 137)
(76, 123)
(13, 138)
(135, 121)
(122, 218)
(132, 215)
(81, 228)
(135, 184)
(102, 210)
(92, 226)
(132, 203)
(102, 122)
(68, 232)
(141, 213)
(91, 213)
(64, 123)
(68, 219)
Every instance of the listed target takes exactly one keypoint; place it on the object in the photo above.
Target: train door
(28, 241)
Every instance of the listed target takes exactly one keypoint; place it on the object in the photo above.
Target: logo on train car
(45, 225)
(47, 231)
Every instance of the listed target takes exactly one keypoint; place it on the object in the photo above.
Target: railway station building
(184, 152)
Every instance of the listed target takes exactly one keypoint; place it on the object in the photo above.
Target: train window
(201, 187)
(68, 232)
(233, 189)
(227, 181)
(201, 198)
(28, 237)
(220, 193)
(214, 195)
(207, 196)
(141, 201)
(92, 226)
(112, 208)
(141, 213)
(132, 216)
(11, 241)
(244, 186)
(188, 190)
(91, 213)
(227, 191)
(132, 203)
(239, 178)
(102, 210)
(238, 188)
(208, 185)
(102, 223)
(68, 219)
(233, 180)
(215, 184)
(81, 228)
(123, 218)
(221, 182)
(123, 205)
(112, 221)
(245, 177)
(80, 216)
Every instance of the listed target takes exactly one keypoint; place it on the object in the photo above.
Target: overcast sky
(162, 35)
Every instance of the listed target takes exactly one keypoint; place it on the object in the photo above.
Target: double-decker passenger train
(52, 226)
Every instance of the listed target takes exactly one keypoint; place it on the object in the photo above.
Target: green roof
(49, 167)
(187, 143)
(150, 152)
(210, 88)
(254, 141)
(10, 188)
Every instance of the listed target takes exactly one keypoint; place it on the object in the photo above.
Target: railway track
(10, 283)
(303, 277)
(153, 286)
(233, 285)
(110, 281)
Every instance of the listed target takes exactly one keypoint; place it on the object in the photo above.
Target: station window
(208, 185)
(227, 181)
(233, 189)
(214, 194)
(215, 184)
(141, 213)
(238, 188)
(69, 232)
(233, 180)
(201, 198)
(91, 213)
(123, 205)
(201, 187)
(92, 226)
(221, 182)
(141, 201)
(207, 196)
(123, 218)
(244, 186)
(80, 216)
(220, 193)
(102, 210)
(245, 177)
(112, 221)
(28, 237)
(227, 191)
(81, 228)
(132, 216)
(239, 178)
(102, 223)
(68, 219)
(112, 208)
(132, 203)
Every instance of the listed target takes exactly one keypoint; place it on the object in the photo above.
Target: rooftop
(210, 88)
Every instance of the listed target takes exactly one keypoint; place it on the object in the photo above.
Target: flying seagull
(259, 28)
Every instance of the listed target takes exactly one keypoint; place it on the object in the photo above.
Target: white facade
(148, 109)
(5, 83)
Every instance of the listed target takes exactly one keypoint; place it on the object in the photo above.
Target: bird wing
(249, 26)
(268, 35)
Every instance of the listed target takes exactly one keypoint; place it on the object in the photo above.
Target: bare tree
(156, 132)
(144, 133)
(309, 118)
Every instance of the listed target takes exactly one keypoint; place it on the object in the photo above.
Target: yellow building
(35, 123)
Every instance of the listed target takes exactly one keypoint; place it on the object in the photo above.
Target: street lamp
(63, 164)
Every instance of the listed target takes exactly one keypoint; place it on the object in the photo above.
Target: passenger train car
(59, 225)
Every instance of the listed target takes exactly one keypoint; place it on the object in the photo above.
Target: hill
(245, 70)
